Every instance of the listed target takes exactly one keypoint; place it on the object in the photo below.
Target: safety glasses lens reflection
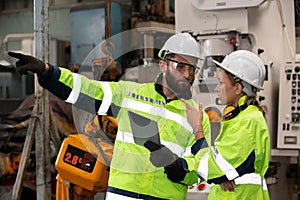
(181, 67)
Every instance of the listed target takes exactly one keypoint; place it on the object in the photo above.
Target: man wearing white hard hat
(168, 168)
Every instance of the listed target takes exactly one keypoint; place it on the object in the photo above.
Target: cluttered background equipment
(136, 31)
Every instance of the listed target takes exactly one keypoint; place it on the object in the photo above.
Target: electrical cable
(279, 6)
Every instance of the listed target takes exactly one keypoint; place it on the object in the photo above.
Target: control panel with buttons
(288, 130)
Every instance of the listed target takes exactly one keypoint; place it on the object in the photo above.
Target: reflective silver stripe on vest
(156, 111)
(252, 178)
(73, 96)
(175, 148)
(225, 166)
(107, 98)
(127, 137)
(187, 152)
(113, 196)
(203, 167)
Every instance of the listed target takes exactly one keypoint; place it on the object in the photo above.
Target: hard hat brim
(232, 72)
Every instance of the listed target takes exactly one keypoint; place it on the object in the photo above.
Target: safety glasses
(181, 67)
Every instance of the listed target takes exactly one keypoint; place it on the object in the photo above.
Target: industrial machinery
(14, 88)
(289, 115)
(253, 21)
(84, 163)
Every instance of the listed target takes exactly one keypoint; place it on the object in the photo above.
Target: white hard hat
(180, 43)
(245, 65)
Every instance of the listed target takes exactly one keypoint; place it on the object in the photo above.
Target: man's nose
(186, 73)
(188, 70)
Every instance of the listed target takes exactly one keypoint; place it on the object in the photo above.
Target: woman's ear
(239, 88)
(162, 65)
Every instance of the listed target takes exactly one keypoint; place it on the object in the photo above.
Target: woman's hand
(195, 118)
(228, 186)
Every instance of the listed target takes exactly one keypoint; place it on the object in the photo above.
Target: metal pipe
(42, 137)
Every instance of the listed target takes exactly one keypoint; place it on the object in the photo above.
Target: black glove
(28, 63)
(177, 171)
(160, 155)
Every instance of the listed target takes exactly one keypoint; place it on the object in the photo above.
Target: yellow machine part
(92, 127)
(62, 188)
(78, 193)
(80, 162)
(213, 114)
(109, 126)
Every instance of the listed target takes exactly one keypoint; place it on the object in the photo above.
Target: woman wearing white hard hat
(239, 158)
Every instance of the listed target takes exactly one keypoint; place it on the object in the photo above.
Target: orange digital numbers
(80, 159)
(67, 158)
(73, 159)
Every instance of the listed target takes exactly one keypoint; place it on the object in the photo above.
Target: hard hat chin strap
(248, 89)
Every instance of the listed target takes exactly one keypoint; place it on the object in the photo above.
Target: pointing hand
(28, 63)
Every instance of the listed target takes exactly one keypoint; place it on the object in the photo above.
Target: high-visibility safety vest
(241, 153)
(131, 172)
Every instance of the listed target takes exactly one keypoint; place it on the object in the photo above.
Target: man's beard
(177, 85)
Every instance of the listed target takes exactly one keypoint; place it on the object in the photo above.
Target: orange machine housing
(80, 162)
